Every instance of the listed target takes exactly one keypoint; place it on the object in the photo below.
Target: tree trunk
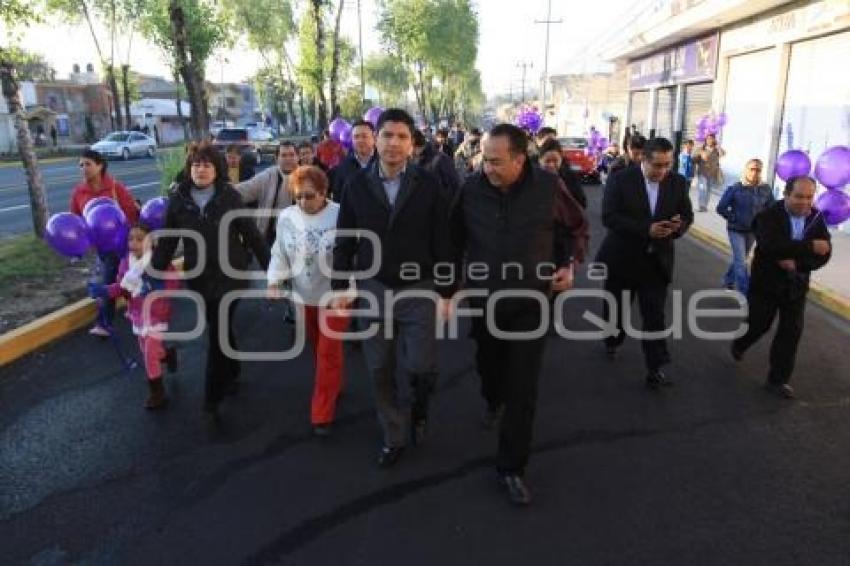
(335, 62)
(116, 100)
(303, 111)
(188, 71)
(180, 109)
(125, 85)
(320, 57)
(35, 184)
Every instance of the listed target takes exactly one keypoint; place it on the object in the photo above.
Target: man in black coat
(507, 216)
(792, 240)
(406, 209)
(361, 156)
(645, 210)
(435, 162)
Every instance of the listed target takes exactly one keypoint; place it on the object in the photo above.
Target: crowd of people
(500, 212)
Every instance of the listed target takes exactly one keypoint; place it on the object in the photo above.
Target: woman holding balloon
(708, 172)
(96, 188)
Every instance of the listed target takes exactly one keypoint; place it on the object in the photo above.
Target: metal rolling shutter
(640, 111)
(665, 107)
(697, 103)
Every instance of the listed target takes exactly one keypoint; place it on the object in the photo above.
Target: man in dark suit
(406, 207)
(361, 156)
(792, 240)
(645, 209)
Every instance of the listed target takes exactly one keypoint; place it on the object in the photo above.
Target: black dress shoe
(389, 455)
(322, 430)
(781, 389)
(492, 416)
(656, 380)
(737, 353)
(518, 493)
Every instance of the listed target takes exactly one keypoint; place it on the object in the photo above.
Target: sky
(508, 36)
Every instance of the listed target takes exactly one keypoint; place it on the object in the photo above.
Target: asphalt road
(60, 177)
(711, 471)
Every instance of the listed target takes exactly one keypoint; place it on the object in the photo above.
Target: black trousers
(509, 371)
(221, 369)
(763, 308)
(651, 295)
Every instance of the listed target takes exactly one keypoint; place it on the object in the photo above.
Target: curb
(820, 294)
(33, 335)
(28, 338)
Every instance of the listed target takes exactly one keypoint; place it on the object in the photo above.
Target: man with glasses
(645, 209)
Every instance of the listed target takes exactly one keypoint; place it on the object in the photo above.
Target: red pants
(328, 357)
(152, 353)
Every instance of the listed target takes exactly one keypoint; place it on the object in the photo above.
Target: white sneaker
(98, 330)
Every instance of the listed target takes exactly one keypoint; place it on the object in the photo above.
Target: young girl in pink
(134, 284)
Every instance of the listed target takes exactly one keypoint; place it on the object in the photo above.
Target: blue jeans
(737, 275)
(105, 272)
(704, 187)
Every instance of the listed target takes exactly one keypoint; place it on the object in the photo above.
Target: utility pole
(524, 65)
(548, 21)
(362, 74)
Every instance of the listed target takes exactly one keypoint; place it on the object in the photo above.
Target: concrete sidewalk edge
(822, 295)
(28, 338)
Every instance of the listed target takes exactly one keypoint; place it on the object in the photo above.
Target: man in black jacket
(645, 208)
(406, 208)
(435, 162)
(361, 156)
(508, 216)
(792, 240)
(632, 157)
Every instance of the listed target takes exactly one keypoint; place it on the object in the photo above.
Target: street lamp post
(524, 65)
(548, 21)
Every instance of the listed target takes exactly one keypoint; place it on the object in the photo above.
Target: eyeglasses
(306, 196)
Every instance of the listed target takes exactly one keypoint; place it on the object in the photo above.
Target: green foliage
(26, 257)
(30, 66)
(15, 13)
(437, 40)
(350, 103)
(207, 27)
(389, 75)
(169, 163)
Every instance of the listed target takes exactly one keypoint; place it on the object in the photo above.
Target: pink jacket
(160, 310)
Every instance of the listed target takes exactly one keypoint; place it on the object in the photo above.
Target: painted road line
(131, 187)
(76, 178)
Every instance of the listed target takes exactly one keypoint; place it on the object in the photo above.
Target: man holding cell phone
(645, 210)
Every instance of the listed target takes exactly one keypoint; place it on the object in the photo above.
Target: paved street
(60, 177)
(711, 471)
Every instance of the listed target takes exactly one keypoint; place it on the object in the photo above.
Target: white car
(126, 145)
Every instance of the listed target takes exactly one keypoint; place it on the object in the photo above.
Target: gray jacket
(260, 190)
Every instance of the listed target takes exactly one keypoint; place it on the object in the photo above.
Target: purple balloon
(373, 114)
(833, 167)
(834, 204)
(66, 233)
(153, 212)
(792, 164)
(703, 122)
(95, 202)
(338, 127)
(722, 119)
(345, 140)
(108, 228)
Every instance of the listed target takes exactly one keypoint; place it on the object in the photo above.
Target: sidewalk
(834, 278)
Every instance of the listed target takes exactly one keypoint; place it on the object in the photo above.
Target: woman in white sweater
(304, 233)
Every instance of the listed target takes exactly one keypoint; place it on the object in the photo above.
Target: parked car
(582, 164)
(239, 137)
(126, 145)
(265, 142)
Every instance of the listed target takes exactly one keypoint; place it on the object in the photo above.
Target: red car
(582, 164)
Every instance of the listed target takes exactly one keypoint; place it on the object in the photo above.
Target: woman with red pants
(304, 233)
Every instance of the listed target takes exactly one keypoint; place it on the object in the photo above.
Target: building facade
(774, 67)
(585, 100)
